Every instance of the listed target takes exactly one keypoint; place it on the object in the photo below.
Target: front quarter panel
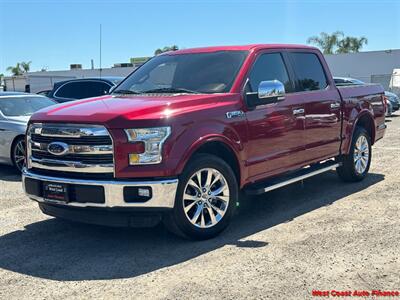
(190, 129)
(8, 132)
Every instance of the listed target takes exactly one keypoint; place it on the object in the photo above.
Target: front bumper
(163, 192)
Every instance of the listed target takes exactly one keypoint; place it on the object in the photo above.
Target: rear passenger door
(322, 104)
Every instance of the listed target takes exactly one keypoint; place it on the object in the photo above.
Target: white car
(15, 111)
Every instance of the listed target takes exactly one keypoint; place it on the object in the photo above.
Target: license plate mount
(54, 191)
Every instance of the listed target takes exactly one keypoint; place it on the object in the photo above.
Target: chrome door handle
(335, 105)
(298, 111)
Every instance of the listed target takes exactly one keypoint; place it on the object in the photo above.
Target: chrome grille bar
(86, 148)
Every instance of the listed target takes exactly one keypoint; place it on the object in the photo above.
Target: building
(368, 66)
(35, 82)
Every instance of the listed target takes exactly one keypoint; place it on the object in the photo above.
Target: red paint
(267, 141)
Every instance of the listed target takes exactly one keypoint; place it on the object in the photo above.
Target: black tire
(15, 153)
(348, 170)
(178, 222)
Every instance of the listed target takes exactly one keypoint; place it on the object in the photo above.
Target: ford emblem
(57, 148)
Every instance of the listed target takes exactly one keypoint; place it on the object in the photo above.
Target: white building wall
(40, 81)
(370, 66)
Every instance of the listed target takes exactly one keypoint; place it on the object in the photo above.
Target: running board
(277, 182)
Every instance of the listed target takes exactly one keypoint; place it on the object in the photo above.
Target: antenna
(100, 50)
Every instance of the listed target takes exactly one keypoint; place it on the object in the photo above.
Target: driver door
(276, 130)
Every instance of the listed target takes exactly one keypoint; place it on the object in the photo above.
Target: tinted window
(82, 89)
(269, 67)
(309, 72)
(198, 72)
(23, 106)
(339, 81)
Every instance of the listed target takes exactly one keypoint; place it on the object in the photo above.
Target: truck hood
(117, 111)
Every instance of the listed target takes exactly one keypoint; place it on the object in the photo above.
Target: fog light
(144, 192)
(137, 194)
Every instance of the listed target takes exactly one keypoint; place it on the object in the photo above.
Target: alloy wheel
(361, 154)
(206, 198)
(19, 154)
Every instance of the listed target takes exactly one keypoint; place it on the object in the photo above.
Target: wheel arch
(217, 146)
(365, 119)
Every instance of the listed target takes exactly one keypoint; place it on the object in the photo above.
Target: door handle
(335, 105)
(298, 111)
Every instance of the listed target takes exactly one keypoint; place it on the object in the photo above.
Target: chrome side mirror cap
(271, 89)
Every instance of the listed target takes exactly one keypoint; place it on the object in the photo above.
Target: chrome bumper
(163, 192)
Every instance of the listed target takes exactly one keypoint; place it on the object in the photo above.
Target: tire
(209, 207)
(18, 153)
(355, 165)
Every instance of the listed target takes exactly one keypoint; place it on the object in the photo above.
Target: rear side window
(309, 73)
(82, 89)
(269, 66)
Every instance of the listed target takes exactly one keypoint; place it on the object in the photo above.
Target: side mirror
(270, 91)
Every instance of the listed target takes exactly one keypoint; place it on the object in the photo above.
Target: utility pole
(100, 50)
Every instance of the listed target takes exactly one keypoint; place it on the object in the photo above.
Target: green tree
(326, 42)
(25, 66)
(16, 70)
(351, 44)
(166, 49)
(337, 42)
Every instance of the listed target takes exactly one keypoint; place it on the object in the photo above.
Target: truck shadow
(58, 250)
(9, 173)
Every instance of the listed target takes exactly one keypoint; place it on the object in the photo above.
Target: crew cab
(186, 135)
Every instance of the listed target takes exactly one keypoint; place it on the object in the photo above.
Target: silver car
(15, 111)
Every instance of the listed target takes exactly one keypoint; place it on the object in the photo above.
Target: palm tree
(327, 42)
(351, 44)
(26, 66)
(16, 71)
(166, 49)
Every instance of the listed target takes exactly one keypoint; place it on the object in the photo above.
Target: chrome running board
(280, 181)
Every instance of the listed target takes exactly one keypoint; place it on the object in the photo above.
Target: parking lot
(319, 235)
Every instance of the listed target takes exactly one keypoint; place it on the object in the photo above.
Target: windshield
(23, 106)
(185, 73)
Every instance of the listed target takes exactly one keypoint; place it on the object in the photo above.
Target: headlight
(153, 139)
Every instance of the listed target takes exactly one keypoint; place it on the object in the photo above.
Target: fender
(352, 124)
(201, 135)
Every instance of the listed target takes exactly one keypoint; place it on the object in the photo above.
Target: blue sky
(55, 33)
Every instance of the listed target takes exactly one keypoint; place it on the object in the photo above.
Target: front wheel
(18, 153)
(355, 165)
(205, 200)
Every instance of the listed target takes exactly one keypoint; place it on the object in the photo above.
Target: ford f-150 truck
(185, 134)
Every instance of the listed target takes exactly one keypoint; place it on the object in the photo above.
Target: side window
(82, 89)
(69, 90)
(269, 66)
(310, 75)
(95, 88)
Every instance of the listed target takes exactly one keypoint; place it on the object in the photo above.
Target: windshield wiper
(170, 90)
(126, 92)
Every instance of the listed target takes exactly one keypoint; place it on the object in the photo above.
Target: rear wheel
(18, 153)
(355, 165)
(205, 201)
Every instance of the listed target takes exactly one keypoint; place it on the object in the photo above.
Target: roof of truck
(242, 48)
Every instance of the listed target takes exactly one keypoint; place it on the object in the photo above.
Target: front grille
(91, 140)
(86, 149)
(83, 158)
(74, 175)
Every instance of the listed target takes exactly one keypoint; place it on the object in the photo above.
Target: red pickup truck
(183, 136)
